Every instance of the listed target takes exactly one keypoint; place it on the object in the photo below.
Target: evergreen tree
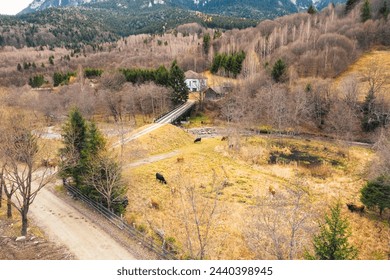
(365, 12)
(75, 142)
(278, 71)
(95, 144)
(19, 67)
(161, 76)
(350, 4)
(85, 160)
(377, 194)
(370, 120)
(206, 43)
(384, 10)
(177, 83)
(37, 81)
(92, 73)
(332, 241)
(311, 10)
(216, 64)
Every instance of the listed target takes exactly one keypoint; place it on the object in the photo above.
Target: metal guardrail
(166, 113)
(147, 241)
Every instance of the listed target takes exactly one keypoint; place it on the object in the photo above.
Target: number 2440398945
(240, 270)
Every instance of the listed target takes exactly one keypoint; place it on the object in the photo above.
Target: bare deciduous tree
(9, 192)
(381, 166)
(279, 226)
(105, 176)
(21, 172)
(198, 213)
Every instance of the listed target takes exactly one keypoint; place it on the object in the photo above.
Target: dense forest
(75, 27)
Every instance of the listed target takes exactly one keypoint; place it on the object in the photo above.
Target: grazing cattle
(197, 140)
(180, 159)
(154, 205)
(271, 191)
(355, 208)
(224, 138)
(161, 178)
(49, 163)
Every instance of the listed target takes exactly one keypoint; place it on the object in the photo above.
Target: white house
(195, 81)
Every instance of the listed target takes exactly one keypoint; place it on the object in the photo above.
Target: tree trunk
(24, 223)
(9, 208)
(1, 193)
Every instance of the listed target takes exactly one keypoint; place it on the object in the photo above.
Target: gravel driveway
(65, 224)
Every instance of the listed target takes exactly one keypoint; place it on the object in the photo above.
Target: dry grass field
(374, 61)
(247, 170)
(332, 172)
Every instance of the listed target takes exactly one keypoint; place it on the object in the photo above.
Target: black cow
(161, 178)
(197, 140)
(355, 208)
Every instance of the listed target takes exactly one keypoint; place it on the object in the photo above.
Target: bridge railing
(150, 243)
(163, 115)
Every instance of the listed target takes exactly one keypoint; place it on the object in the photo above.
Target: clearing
(249, 166)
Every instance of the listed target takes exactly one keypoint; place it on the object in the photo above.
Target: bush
(37, 81)
(376, 194)
(62, 79)
(92, 73)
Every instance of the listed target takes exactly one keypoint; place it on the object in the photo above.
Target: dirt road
(66, 225)
(152, 159)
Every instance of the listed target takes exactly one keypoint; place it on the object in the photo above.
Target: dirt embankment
(32, 248)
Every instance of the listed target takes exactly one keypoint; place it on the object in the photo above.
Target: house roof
(193, 75)
(216, 89)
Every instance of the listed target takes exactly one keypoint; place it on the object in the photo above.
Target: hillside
(236, 8)
(249, 176)
(74, 27)
(73, 23)
(373, 61)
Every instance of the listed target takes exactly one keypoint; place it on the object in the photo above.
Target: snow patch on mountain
(36, 4)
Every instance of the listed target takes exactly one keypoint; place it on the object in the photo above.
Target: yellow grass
(215, 80)
(12, 227)
(248, 175)
(376, 58)
(162, 140)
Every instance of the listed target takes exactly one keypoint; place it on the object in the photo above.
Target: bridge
(176, 113)
(166, 118)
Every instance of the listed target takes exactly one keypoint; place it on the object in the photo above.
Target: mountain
(40, 5)
(102, 21)
(258, 9)
(75, 23)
